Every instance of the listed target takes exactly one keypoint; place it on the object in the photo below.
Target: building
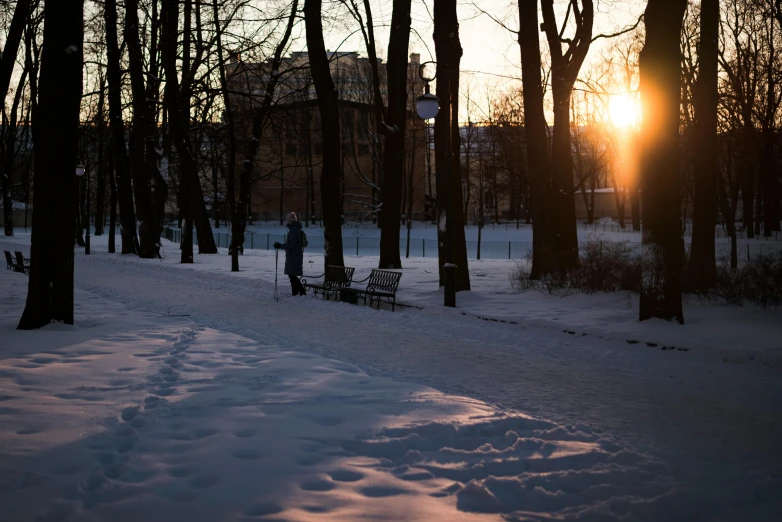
(286, 176)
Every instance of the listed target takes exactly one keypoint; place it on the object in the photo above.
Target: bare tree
(7, 60)
(178, 106)
(395, 124)
(538, 164)
(12, 41)
(50, 290)
(450, 230)
(565, 66)
(331, 172)
(127, 213)
(702, 267)
(148, 235)
(260, 117)
(660, 63)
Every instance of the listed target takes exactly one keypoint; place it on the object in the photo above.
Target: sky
(491, 59)
(490, 62)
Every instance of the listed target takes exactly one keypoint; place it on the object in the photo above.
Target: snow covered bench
(381, 284)
(335, 279)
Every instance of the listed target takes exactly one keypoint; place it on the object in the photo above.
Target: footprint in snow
(346, 475)
(381, 491)
(263, 509)
(317, 485)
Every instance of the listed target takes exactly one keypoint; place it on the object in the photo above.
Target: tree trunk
(770, 176)
(450, 228)
(12, 41)
(396, 121)
(10, 157)
(216, 186)
(749, 175)
(81, 191)
(190, 191)
(50, 288)
(759, 206)
(100, 193)
(112, 204)
(142, 189)
(230, 179)
(190, 64)
(635, 206)
(537, 142)
(660, 68)
(153, 156)
(127, 214)
(331, 171)
(564, 71)
(702, 267)
(411, 189)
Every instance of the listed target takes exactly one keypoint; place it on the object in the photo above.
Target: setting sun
(624, 111)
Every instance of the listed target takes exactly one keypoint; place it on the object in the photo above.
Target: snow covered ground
(185, 392)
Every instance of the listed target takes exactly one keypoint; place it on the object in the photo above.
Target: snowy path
(710, 419)
(715, 426)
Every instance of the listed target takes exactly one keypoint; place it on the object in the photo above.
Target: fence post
(356, 245)
(508, 249)
(252, 241)
(423, 250)
(267, 241)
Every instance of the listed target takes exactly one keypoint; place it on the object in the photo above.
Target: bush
(610, 266)
(763, 280)
(607, 266)
(731, 284)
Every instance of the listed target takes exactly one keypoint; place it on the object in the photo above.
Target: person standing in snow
(294, 254)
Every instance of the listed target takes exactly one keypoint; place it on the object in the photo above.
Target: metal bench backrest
(20, 259)
(339, 276)
(8, 258)
(384, 281)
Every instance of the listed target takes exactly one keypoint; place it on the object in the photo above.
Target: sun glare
(624, 111)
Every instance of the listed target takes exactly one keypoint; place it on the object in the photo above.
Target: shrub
(763, 280)
(615, 266)
(607, 266)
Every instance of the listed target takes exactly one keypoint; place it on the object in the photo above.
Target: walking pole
(276, 257)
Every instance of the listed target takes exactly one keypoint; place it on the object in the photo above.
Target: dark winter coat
(294, 254)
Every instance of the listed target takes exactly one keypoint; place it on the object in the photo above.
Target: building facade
(286, 175)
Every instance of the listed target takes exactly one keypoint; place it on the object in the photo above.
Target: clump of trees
(180, 96)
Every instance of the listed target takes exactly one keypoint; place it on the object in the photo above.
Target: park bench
(335, 279)
(19, 264)
(381, 284)
(22, 263)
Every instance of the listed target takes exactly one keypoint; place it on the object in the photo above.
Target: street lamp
(428, 106)
(80, 170)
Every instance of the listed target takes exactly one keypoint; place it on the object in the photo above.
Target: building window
(290, 148)
(348, 125)
(363, 149)
(363, 125)
(319, 149)
(347, 148)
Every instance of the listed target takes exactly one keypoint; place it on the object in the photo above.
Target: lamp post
(80, 170)
(428, 106)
